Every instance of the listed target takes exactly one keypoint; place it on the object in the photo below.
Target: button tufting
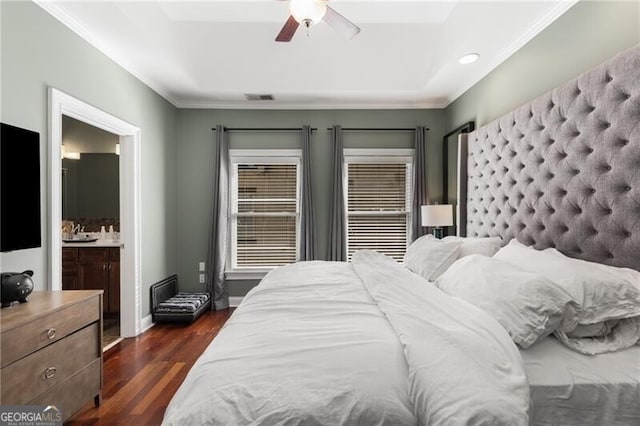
(626, 96)
(627, 234)
(575, 171)
(608, 167)
(608, 211)
(627, 188)
(592, 190)
(589, 150)
(608, 78)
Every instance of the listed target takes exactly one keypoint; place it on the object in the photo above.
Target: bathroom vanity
(93, 266)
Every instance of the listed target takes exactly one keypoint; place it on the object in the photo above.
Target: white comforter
(368, 343)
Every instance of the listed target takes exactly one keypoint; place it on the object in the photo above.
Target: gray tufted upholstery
(564, 170)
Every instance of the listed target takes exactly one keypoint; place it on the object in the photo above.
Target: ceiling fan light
(469, 58)
(307, 10)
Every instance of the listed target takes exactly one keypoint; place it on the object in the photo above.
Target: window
(265, 203)
(378, 200)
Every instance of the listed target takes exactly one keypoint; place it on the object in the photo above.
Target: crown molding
(337, 105)
(54, 10)
(533, 31)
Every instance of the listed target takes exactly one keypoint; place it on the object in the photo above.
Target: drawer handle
(51, 333)
(50, 372)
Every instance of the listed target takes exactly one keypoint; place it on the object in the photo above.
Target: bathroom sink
(80, 240)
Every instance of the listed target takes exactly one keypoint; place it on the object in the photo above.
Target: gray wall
(586, 35)
(38, 52)
(197, 148)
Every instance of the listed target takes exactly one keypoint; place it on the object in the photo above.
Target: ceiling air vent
(255, 97)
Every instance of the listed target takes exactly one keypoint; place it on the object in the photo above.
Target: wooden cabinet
(51, 350)
(93, 268)
(70, 269)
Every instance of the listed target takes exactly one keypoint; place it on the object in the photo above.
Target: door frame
(61, 104)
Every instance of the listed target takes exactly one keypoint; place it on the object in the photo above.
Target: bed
(369, 343)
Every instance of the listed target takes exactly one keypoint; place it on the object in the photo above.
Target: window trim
(389, 155)
(266, 157)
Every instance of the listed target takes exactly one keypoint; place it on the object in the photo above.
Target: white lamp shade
(437, 215)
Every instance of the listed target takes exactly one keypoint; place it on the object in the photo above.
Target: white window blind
(378, 205)
(264, 214)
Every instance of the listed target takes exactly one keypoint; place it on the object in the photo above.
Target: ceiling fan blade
(340, 24)
(288, 30)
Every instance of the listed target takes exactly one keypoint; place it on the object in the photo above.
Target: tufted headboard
(564, 170)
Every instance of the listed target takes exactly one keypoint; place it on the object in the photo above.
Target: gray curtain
(337, 221)
(419, 182)
(307, 239)
(218, 239)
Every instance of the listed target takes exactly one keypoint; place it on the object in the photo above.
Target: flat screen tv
(20, 226)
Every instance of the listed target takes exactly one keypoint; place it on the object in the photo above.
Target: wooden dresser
(51, 350)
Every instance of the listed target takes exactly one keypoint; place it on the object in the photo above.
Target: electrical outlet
(201, 266)
(201, 278)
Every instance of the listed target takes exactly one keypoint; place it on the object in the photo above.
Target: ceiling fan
(310, 12)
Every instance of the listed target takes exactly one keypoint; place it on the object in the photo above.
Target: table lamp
(437, 216)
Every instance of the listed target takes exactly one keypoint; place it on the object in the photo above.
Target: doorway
(64, 107)
(91, 217)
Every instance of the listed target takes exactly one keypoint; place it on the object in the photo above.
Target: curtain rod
(264, 129)
(378, 129)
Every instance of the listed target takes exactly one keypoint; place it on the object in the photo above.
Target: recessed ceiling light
(469, 58)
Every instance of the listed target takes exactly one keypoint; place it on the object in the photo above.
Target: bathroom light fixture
(469, 58)
(117, 149)
(68, 155)
(72, 155)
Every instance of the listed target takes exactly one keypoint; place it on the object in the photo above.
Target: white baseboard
(146, 323)
(234, 301)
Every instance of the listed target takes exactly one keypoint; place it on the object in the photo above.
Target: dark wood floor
(141, 374)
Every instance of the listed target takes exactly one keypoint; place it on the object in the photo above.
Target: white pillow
(486, 246)
(429, 257)
(526, 304)
(602, 292)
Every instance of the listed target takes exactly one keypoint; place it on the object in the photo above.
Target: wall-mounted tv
(20, 226)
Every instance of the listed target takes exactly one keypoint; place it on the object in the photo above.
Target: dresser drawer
(29, 337)
(35, 374)
(70, 395)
